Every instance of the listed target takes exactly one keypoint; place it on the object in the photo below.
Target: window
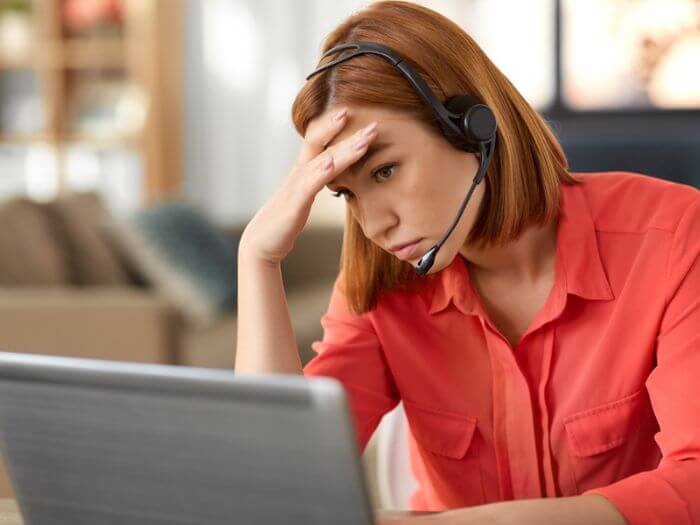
(621, 54)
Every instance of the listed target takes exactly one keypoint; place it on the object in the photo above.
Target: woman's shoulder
(406, 297)
(624, 201)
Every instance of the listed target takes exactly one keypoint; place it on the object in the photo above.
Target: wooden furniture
(10, 515)
(145, 54)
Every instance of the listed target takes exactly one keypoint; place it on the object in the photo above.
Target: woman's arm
(265, 340)
(574, 510)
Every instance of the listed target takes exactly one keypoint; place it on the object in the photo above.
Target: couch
(49, 304)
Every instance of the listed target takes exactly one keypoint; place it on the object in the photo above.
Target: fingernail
(361, 144)
(328, 163)
(369, 129)
(340, 114)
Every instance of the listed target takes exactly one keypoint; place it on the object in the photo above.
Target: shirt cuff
(646, 499)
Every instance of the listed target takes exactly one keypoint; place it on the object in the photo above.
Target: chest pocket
(449, 448)
(605, 441)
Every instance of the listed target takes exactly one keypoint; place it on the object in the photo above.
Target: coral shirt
(600, 395)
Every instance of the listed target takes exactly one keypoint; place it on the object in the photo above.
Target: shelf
(70, 54)
(93, 53)
(74, 73)
(12, 138)
(119, 142)
(23, 61)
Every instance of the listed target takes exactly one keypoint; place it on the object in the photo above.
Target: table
(9, 513)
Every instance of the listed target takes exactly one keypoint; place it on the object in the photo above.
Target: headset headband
(371, 48)
(475, 122)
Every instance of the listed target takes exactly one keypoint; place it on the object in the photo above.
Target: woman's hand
(431, 519)
(271, 234)
(477, 515)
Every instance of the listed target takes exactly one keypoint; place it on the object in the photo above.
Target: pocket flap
(444, 433)
(603, 428)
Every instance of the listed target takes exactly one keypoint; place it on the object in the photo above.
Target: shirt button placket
(518, 431)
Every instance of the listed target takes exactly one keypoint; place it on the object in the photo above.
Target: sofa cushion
(211, 346)
(215, 345)
(107, 322)
(189, 261)
(81, 219)
(30, 251)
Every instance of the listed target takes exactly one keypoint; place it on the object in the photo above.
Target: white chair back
(394, 477)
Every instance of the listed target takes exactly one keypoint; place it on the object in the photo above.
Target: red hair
(522, 184)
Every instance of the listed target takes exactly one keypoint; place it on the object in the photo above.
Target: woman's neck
(526, 259)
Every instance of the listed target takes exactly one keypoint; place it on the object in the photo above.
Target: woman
(549, 355)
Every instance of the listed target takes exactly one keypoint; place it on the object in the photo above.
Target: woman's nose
(375, 218)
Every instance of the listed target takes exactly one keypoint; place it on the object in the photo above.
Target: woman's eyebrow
(374, 149)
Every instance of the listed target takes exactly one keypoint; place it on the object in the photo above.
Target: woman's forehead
(391, 125)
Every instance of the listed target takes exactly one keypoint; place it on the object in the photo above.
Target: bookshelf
(107, 84)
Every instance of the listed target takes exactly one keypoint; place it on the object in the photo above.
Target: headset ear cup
(477, 121)
(481, 123)
(460, 105)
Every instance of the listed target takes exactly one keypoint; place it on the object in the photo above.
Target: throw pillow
(184, 256)
(31, 254)
(81, 219)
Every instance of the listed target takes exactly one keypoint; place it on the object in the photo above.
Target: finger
(344, 154)
(319, 132)
(352, 149)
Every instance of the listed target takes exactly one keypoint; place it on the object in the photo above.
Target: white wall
(245, 62)
(247, 59)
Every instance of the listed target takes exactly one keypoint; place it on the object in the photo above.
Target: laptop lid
(93, 441)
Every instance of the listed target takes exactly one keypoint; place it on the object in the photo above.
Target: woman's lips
(405, 253)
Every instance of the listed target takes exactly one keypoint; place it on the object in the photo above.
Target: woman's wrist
(248, 254)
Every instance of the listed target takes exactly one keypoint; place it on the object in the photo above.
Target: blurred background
(138, 137)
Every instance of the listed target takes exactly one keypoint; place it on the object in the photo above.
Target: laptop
(91, 441)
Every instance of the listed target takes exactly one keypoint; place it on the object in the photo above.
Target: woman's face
(411, 188)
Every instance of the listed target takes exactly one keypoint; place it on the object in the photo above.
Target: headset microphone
(466, 123)
(426, 262)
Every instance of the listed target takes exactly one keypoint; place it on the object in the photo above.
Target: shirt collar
(577, 253)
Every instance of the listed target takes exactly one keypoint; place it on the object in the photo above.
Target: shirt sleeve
(671, 492)
(350, 352)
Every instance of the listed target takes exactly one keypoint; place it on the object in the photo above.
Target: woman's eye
(340, 193)
(384, 170)
(380, 175)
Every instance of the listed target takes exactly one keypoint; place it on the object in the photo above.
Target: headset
(467, 124)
